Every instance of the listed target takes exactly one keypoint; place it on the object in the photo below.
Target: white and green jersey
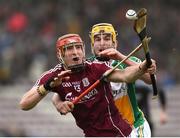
(125, 98)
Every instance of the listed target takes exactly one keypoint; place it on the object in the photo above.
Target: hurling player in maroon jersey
(96, 113)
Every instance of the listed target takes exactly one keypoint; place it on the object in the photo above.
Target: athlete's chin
(77, 62)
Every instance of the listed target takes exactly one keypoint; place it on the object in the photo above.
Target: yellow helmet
(106, 28)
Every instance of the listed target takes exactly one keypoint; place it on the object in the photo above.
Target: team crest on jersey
(85, 82)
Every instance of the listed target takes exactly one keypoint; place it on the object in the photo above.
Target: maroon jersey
(95, 113)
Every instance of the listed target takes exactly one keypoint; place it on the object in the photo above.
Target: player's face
(73, 54)
(102, 41)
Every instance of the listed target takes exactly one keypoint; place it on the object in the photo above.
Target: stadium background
(29, 30)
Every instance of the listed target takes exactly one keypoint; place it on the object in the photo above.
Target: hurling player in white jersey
(104, 44)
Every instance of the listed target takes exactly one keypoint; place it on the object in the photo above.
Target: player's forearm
(56, 100)
(146, 77)
(133, 73)
(128, 62)
(30, 99)
(142, 70)
(130, 74)
(63, 107)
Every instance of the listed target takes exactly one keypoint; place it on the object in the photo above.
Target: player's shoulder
(49, 73)
(57, 68)
(91, 59)
(115, 62)
(123, 65)
(98, 64)
(52, 71)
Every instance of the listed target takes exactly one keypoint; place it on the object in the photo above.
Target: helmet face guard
(63, 43)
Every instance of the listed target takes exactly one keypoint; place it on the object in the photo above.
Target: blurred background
(28, 33)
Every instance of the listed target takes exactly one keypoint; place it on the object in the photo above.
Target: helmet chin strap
(76, 68)
(73, 68)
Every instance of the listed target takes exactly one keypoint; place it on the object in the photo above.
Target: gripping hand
(53, 82)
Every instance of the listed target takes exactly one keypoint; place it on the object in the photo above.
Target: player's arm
(131, 73)
(31, 98)
(116, 55)
(145, 77)
(37, 93)
(63, 107)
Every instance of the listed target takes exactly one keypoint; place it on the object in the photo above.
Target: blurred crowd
(29, 30)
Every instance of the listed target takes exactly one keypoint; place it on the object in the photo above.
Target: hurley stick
(140, 28)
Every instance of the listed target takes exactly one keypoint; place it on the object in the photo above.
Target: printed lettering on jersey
(119, 89)
(69, 97)
(66, 84)
(85, 82)
(77, 87)
(90, 96)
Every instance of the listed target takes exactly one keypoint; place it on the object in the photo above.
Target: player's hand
(57, 80)
(53, 82)
(65, 107)
(151, 69)
(112, 54)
